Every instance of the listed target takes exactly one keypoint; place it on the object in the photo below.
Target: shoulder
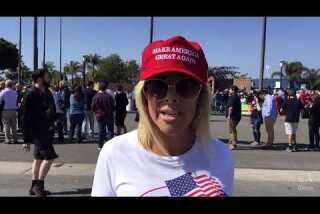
(221, 150)
(219, 154)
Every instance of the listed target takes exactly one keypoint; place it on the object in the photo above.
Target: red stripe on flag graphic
(207, 187)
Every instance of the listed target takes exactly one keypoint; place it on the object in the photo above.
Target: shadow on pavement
(245, 145)
(213, 120)
(85, 191)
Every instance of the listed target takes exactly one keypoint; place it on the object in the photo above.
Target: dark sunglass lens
(188, 88)
(156, 88)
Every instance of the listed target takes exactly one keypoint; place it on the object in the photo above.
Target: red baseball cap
(174, 55)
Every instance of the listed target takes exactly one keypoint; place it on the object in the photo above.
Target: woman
(76, 112)
(256, 119)
(171, 153)
(121, 111)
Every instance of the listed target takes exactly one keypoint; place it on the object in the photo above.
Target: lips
(169, 115)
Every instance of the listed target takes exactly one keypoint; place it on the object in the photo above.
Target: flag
(198, 186)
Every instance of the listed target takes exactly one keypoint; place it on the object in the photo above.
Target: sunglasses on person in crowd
(186, 88)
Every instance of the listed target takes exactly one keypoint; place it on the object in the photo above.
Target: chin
(171, 130)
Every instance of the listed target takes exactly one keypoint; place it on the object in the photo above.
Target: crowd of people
(73, 103)
(40, 110)
(265, 107)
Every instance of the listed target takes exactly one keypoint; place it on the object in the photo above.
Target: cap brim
(159, 71)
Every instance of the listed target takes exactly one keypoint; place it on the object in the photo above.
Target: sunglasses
(187, 88)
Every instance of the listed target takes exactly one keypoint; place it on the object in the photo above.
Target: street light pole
(61, 48)
(151, 29)
(35, 44)
(84, 72)
(281, 73)
(44, 43)
(19, 57)
(263, 48)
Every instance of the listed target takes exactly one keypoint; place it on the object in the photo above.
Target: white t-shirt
(125, 168)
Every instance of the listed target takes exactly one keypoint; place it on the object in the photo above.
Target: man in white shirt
(9, 114)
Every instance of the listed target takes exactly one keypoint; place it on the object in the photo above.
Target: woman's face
(173, 114)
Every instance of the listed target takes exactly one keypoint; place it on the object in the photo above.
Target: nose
(171, 96)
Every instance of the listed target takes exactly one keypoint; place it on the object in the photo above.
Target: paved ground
(246, 156)
(73, 171)
(76, 180)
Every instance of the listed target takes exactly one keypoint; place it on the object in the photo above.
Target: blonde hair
(147, 130)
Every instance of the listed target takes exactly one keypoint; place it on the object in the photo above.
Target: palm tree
(71, 68)
(50, 66)
(276, 75)
(93, 62)
(293, 71)
(311, 77)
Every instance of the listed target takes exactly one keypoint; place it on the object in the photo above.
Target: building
(270, 83)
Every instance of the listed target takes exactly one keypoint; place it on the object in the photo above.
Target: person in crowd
(291, 107)
(110, 120)
(108, 90)
(278, 101)
(2, 87)
(103, 107)
(242, 97)
(38, 128)
(64, 89)
(224, 99)
(233, 115)
(314, 122)
(256, 119)
(250, 97)
(269, 115)
(303, 97)
(58, 95)
(171, 152)
(121, 101)
(9, 113)
(89, 115)
(19, 99)
(130, 106)
(77, 102)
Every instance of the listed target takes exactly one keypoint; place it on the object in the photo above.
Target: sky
(226, 41)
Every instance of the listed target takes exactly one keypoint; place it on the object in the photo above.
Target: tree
(112, 69)
(277, 74)
(92, 63)
(26, 74)
(223, 72)
(71, 68)
(8, 55)
(132, 71)
(312, 78)
(55, 75)
(50, 66)
(293, 71)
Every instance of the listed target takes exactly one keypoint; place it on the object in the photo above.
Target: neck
(173, 145)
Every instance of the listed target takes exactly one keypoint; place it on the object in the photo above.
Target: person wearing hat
(171, 153)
